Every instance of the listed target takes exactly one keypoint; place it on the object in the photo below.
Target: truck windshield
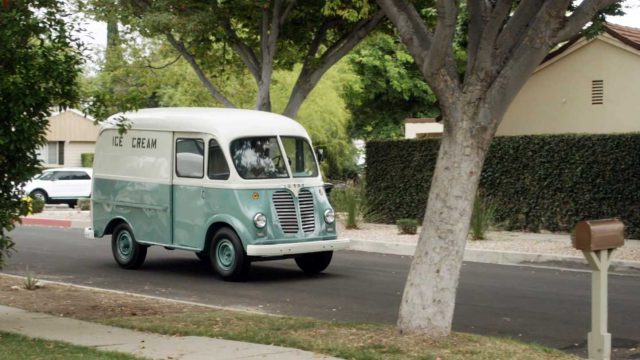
(300, 156)
(258, 158)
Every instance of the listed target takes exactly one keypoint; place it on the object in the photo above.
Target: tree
(388, 90)
(39, 65)
(263, 36)
(506, 40)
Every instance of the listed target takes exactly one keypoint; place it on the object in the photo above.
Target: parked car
(61, 185)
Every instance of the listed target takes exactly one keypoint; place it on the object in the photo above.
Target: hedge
(536, 182)
(86, 159)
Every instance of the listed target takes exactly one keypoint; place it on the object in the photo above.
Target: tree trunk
(430, 291)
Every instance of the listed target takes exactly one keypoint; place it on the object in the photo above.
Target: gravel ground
(543, 243)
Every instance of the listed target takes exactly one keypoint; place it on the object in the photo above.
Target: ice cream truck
(233, 186)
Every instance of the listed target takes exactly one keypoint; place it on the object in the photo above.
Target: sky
(96, 34)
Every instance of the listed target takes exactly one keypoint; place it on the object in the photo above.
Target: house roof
(627, 35)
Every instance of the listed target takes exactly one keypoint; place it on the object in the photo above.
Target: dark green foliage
(37, 205)
(389, 89)
(86, 159)
(534, 182)
(407, 226)
(39, 65)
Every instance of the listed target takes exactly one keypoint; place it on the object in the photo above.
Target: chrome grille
(286, 210)
(307, 213)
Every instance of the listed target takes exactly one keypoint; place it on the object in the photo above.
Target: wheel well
(112, 225)
(39, 189)
(212, 230)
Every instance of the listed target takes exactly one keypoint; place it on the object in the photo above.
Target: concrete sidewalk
(138, 343)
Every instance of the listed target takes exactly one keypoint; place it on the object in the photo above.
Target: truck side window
(190, 158)
(218, 169)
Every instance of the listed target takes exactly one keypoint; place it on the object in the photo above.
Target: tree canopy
(39, 65)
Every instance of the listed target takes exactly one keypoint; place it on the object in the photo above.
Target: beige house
(69, 135)
(589, 86)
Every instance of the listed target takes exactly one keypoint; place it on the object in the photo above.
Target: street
(545, 306)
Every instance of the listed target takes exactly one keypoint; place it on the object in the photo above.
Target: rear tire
(126, 251)
(314, 263)
(228, 257)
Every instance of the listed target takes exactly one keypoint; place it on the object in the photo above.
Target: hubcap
(225, 254)
(39, 196)
(124, 244)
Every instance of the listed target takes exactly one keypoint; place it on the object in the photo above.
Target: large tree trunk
(429, 308)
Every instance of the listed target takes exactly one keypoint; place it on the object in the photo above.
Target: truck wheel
(228, 258)
(126, 250)
(314, 263)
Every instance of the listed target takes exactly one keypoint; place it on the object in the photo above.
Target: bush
(84, 204)
(482, 217)
(37, 205)
(86, 159)
(407, 226)
(348, 200)
(535, 182)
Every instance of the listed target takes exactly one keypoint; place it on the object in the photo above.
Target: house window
(52, 153)
(597, 92)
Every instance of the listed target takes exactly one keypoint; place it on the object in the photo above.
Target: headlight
(260, 220)
(329, 216)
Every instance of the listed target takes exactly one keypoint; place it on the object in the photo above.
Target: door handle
(202, 193)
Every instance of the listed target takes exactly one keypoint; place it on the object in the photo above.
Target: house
(69, 135)
(587, 86)
(422, 128)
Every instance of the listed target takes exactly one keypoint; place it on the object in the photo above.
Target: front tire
(314, 263)
(228, 257)
(40, 195)
(126, 251)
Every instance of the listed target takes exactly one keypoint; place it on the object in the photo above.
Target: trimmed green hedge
(86, 159)
(536, 182)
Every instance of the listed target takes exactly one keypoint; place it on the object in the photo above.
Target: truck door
(189, 214)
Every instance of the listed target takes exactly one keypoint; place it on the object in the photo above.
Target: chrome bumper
(297, 248)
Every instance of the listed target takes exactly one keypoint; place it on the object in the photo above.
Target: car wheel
(314, 263)
(72, 204)
(126, 250)
(40, 195)
(228, 257)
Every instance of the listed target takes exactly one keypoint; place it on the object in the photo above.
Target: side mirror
(320, 154)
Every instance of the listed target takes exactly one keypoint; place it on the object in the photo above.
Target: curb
(63, 223)
(496, 257)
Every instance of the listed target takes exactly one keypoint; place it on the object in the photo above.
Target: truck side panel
(132, 180)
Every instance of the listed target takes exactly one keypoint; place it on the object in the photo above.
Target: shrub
(407, 226)
(348, 200)
(535, 182)
(37, 205)
(84, 204)
(86, 159)
(482, 217)
(31, 282)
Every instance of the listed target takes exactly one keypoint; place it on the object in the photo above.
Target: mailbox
(592, 235)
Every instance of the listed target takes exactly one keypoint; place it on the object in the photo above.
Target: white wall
(73, 150)
(412, 129)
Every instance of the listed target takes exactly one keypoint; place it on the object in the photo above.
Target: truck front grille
(286, 211)
(307, 213)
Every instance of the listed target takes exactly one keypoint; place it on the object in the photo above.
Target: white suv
(61, 185)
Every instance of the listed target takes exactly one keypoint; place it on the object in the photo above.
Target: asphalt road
(549, 307)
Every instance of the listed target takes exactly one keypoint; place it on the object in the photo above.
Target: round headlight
(260, 220)
(329, 216)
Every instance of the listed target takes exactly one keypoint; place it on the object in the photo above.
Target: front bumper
(297, 248)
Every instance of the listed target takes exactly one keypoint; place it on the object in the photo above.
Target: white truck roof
(227, 123)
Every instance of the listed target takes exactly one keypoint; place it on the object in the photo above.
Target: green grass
(349, 341)
(17, 347)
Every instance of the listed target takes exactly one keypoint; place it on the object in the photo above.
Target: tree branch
(246, 54)
(440, 52)
(309, 76)
(163, 66)
(213, 90)
(580, 17)
(478, 17)
(286, 12)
